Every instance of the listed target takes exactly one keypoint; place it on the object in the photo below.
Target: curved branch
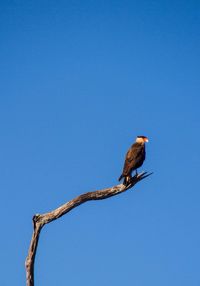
(39, 220)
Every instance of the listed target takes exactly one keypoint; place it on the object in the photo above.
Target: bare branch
(39, 220)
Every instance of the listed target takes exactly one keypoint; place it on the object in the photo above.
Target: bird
(134, 159)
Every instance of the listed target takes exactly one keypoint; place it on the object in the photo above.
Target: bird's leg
(136, 172)
(127, 180)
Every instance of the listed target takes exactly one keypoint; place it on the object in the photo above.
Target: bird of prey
(134, 159)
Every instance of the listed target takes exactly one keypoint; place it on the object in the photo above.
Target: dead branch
(39, 220)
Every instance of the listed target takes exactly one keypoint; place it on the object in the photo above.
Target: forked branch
(39, 220)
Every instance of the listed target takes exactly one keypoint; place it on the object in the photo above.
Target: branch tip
(35, 219)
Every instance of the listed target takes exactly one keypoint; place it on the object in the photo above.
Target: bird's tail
(120, 177)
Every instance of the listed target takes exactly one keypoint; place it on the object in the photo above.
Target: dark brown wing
(134, 158)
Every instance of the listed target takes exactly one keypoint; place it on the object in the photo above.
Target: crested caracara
(134, 158)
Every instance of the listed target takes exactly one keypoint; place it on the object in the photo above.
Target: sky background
(79, 81)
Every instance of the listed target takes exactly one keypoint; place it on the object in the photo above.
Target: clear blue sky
(79, 81)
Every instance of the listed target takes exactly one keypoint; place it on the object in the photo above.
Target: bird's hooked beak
(146, 139)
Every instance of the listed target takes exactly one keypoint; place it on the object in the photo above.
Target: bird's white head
(141, 139)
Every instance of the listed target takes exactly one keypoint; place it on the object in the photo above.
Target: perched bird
(134, 158)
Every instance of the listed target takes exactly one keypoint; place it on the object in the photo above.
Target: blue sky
(79, 81)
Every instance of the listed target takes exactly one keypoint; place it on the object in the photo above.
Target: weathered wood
(39, 220)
